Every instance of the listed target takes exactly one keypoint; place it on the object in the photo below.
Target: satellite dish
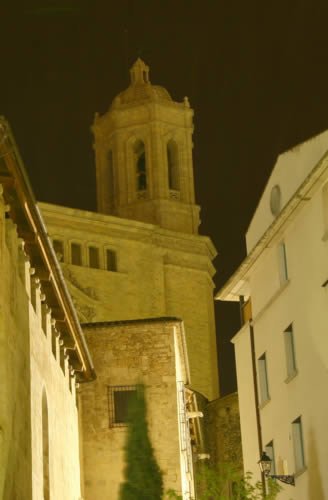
(275, 200)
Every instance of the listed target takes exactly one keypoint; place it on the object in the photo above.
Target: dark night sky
(255, 73)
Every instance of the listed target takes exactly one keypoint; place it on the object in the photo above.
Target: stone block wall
(51, 381)
(32, 379)
(125, 354)
(15, 387)
(222, 430)
(159, 273)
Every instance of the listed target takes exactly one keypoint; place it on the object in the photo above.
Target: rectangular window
(53, 342)
(282, 260)
(325, 211)
(119, 400)
(263, 379)
(58, 247)
(76, 254)
(62, 359)
(298, 444)
(290, 351)
(94, 257)
(111, 260)
(269, 450)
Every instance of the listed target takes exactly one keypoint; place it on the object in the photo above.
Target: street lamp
(265, 466)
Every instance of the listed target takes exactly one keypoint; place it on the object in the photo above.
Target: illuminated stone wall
(145, 119)
(159, 273)
(51, 379)
(164, 266)
(222, 431)
(128, 353)
(28, 368)
(15, 387)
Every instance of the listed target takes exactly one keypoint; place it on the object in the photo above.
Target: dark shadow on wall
(227, 318)
(315, 485)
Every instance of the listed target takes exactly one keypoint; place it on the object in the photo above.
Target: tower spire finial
(139, 72)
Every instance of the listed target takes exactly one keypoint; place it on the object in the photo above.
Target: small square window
(298, 444)
(94, 257)
(111, 260)
(263, 378)
(119, 400)
(76, 254)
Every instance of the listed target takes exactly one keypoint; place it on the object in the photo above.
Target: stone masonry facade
(33, 381)
(159, 273)
(128, 353)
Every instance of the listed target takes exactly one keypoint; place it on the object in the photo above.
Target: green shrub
(216, 483)
(143, 478)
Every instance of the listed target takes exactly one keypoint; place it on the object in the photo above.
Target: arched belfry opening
(172, 153)
(45, 447)
(140, 165)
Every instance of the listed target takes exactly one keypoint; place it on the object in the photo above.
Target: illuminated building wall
(141, 256)
(284, 332)
(127, 353)
(42, 352)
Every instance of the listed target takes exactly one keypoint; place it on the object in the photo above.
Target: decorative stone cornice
(24, 212)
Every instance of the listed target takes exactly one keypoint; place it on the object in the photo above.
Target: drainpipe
(257, 403)
(256, 392)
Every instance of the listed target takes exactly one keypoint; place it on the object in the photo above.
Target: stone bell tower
(143, 148)
(140, 256)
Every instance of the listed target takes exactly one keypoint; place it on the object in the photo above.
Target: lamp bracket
(283, 478)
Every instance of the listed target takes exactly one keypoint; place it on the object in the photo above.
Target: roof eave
(236, 283)
(23, 210)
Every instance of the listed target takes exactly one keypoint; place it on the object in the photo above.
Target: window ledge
(291, 377)
(102, 269)
(74, 265)
(265, 403)
(300, 472)
(142, 194)
(66, 265)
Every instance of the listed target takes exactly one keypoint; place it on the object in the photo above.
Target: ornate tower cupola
(143, 147)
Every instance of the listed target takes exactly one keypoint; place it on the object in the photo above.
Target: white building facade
(282, 347)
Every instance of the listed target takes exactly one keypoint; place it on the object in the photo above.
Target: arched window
(45, 447)
(140, 163)
(110, 179)
(172, 165)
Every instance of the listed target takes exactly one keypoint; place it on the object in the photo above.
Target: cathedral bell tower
(143, 148)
